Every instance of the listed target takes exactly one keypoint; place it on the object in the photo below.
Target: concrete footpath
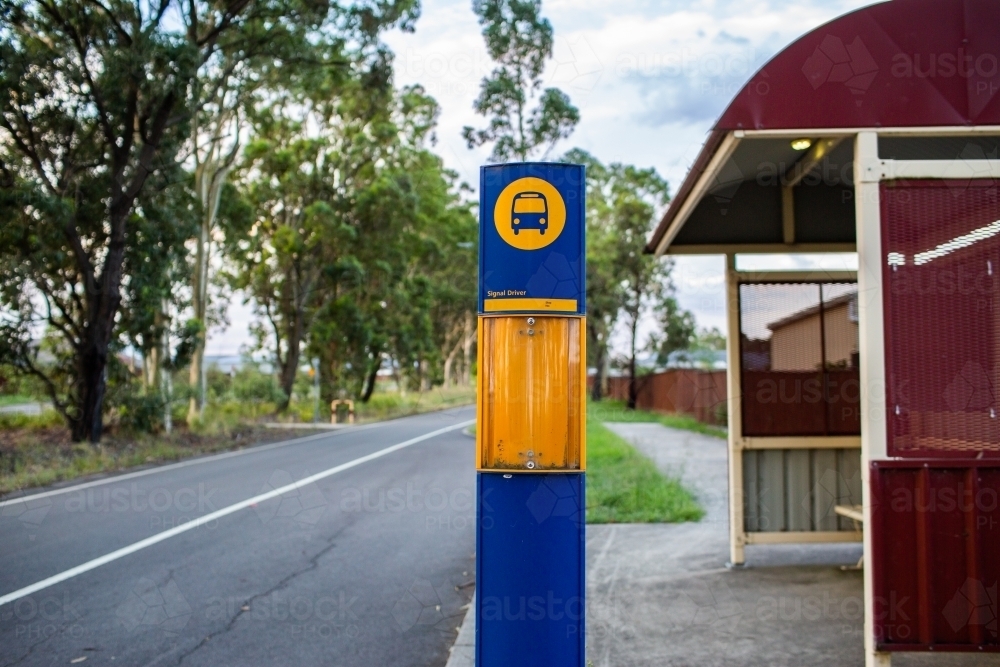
(660, 594)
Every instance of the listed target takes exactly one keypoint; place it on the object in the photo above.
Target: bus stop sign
(531, 417)
(532, 238)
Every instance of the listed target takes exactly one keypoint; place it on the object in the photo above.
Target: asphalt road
(368, 566)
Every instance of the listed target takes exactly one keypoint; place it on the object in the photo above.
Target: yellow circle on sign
(530, 213)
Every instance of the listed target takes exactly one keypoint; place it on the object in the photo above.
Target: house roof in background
(812, 310)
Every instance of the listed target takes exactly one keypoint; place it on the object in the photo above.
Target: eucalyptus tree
(635, 195)
(447, 232)
(604, 282)
(154, 266)
(396, 285)
(519, 39)
(291, 244)
(101, 97)
(97, 105)
(416, 267)
(333, 183)
(623, 283)
(677, 330)
(313, 41)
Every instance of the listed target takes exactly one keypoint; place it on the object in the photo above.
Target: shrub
(141, 412)
(249, 384)
(15, 420)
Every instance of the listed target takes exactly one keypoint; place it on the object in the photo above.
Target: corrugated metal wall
(936, 539)
(797, 489)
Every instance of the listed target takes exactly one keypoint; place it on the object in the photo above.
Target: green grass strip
(623, 486)
(615, 411)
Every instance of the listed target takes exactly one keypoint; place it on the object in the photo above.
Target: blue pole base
(530, 570)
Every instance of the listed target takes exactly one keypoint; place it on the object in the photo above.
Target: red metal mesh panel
(799, 359)
(941, 246)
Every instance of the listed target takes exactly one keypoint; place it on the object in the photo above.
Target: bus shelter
(863, 405)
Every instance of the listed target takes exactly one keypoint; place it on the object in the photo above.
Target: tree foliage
(99, 104)
(677, 330)
(354, 256)
(519, 39)
(624, 283)
(96, 110)
(145, 145)
(318, 46)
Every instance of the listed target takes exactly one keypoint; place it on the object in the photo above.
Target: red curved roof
(903, 63)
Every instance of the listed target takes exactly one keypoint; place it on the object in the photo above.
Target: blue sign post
(531, 417)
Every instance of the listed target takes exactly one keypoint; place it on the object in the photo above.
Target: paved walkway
(660, 594)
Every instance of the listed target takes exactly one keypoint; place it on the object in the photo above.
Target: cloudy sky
(649, 78)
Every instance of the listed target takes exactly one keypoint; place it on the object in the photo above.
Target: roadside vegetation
(623, 486)
(224, 159)
(617, 411)
(37, 450)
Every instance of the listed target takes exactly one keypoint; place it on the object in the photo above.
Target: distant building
(700, 359)
(795, 340)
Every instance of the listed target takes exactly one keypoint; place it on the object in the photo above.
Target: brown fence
(701, 394)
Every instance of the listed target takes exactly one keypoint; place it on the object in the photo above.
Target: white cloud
(649, 77)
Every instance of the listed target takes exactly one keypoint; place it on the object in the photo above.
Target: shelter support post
(737, 538)
(788, 214)
(872, 353)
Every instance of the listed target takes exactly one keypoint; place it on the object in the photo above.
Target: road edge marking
(218, 514)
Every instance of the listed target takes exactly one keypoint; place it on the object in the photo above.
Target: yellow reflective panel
(531, 393)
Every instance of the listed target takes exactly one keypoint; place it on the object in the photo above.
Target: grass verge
(15, 399)
(615, 411)
(391, 405)
(40, 455)
(388, 405)
(35, 450)
(623, 486)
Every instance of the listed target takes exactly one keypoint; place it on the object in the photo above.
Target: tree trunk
(93, 381)
(423, 377)
(597, 390)
(93, 354)
(467, 341)
(166, 381)
(290, 368)
(398, 377)
(152, 355)
(633, 388)
(371, 379)
(150, 368)
(211, 171)
(449, 362)
(606, 373)
(199, 298)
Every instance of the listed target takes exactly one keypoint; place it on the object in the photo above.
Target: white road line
(184, 464)
(218, 514)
